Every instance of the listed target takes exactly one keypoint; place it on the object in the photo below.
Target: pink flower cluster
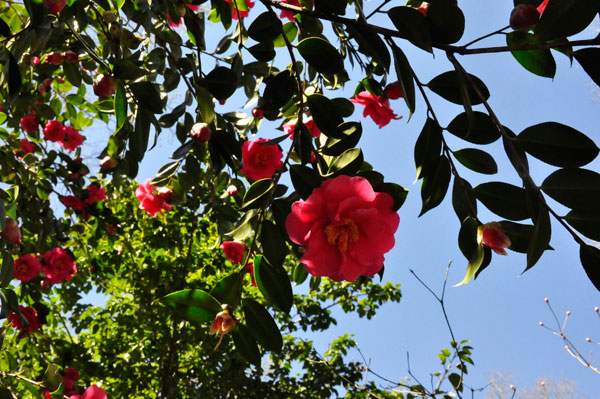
(346, 228)
(152, 201)
(378, 107)
(95, 194)
(67, 137)
(310, 125)
(31, 317)
(260, 161)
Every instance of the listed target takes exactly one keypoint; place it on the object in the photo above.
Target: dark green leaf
(348, 163)
(428, 148)
(331, 6)
(221, 82)
(245, 344)
(165, 173)
(263, 51)
(566, 18)
(343, 106)
(256, 194)
(504, 199)
(482, 130)
(590, 260)
(446, 22)
(274, 283)
(304, 179)
(557, 144)
(194, 305)
(587, 223)
(229, 289)
(350, 133)
(15, 81)
(541, 238)
(396, 191)
(6, 270)
(463, 199)
(321, 55)
(148, 96)
(448, 86)
(517, 156)
(411, 25)
(435, 186)
(325, 115)
(539, 62)
(589, 59)
(4, 29)
(120, 106)
(520, 235)
(578, 189)
(456, 381)
(300, 274)
(370, 44)
(405, 78)
(262, 326)
(273, 244)
(72, 73)
(279, 90)
(477, 160)
(265, 28)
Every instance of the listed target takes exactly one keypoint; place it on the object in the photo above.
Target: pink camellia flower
(165, 193)
(75, 203)
(149, 201)
(104, 85)
(393, 91)
(235, 12)
(70, 57)
(234, 251)
(93, 392)
(27, 267)
(58, 266)
(11, 232)
(542, 7)
(423, 8)
(71, 373)
(30, 315)
(71, 139)
(346, 228)
(54, 6)
(289, 14)
(260, 161)
(27, 147)
(310, 124)
(377, 107)
(29, 123)
(174, 24)
(223, 323)
(54, 131)
(491, 235)
(54, 58)
(96, 194)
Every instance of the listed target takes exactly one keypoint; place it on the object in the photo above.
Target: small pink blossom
(54, 58)
(149, 201)
(492, 236)
(96, 194)
(377, 107)
(11, 232)
(260, 161)
(393, 91)
(27, 147)
(234, 251)
(27, 268)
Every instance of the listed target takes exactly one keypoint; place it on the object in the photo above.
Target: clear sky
(499, 312)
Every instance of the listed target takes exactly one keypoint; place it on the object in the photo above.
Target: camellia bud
(11, 232)
(492, 236)
(109, 17)
(108, 162)
(71, 57)
(423, 8)
(54, 6)
(232, 190)
(104, 85)
(54, 58)
(393, 91)
(524, 17)
(115, 30)
(257, 112)
(223, 323)
(181, 9)
(165, 193)
(200, 132)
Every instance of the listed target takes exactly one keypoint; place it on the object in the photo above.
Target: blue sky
(499, 312)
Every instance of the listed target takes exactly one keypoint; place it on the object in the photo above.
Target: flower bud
(11, 232)
(232, 190)
(71, 57)
(54, 58)
(524, 17)
(200, 132)
(109, 17)
(104, 85)
(165, 193)
(423, 8)
(257, 112)
(393, 91)
(181, 9)
(108, 162)
(54, 6)
(492, 236)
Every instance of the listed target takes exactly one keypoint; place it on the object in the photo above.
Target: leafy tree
(177, 317)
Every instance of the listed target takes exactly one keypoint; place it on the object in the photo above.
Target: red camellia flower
(149, 201)
(393, 91)
(75, 203)
(235, 12)
(71, 139)
(93, 392)
(423, 8)
(377, 107)
(260, 161)
(29, 123)
(165, 193)
(234, 251)
(27, 267)
(104, 85)
(71, 57)
(27, 147)
(72, 374)
(289, 14)
(223, 323)
(54, 58)
(200, 132)
(174, 24)
(96, 194)
(542, 7)
(310, 124)
(346, 228)
(250, 270)
(54, 6)
(30, 316)
(11, 232)
(54, 131)
(58, 266)
(491, 235)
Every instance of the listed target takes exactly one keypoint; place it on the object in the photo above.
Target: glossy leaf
(349, 136)
(273, 244)
(229, 289)
(300, 274)
(539, 62)
(262, 326)
(274, 283)
(467, 242)
(435, 186)
(557, 144)
(482, 130)
(266, 27)
(448, 84)
(446, 22)
(504, 199)
(589, 59)
(325, 115)
(463, 199)
(541, 238)
(428, 148)
(411, 25)
(590, 260)
(245, 344)
(520, 235)
(279, 89)
(304, 179)
(290, 30)
(120, 106)
(321, 55)
(221, 82)
(585, 222)
(578, 189)
(193, 305)
(6, 269)
(165, 173)
(404, 73)
(348, 163)
(477, 160)
(15, 81)
(566, 18)
(370, 44)
(257, 193)
(517, 157)
(148, 96)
